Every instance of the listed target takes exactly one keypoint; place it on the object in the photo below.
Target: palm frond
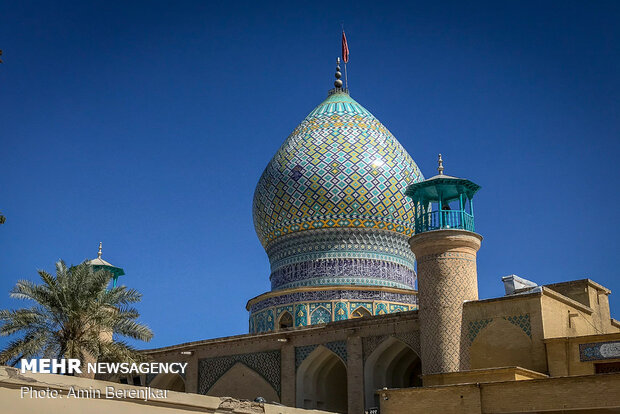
(72, 311)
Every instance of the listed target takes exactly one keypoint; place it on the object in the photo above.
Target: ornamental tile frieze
(334, 295)
(343, 271)
(599, 351)
(351, 243)
(312, 313)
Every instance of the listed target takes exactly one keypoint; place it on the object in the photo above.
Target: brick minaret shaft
(447, 277)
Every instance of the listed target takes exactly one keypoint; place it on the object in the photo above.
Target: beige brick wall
(597, 394)
(495, 332)
(512, 330)
(564, 358)
(446, 278)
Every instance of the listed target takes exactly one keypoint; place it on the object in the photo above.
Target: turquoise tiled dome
(339, 168)
(331, 212)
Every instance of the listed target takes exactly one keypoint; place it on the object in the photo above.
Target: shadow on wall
(393, 365)
(243, 383)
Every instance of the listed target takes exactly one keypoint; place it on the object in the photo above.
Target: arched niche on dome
(168, 381)
(285, 321)
(393, 364)
(360, 312)
(322, 382)
(243, 383)
(320, 315)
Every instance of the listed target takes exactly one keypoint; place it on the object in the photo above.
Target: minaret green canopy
(442, 187)
(441, 190)
(99, 263)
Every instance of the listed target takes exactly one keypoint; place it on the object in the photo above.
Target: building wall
(516, 330)
(581, 355)
(584, 302)
(503, 332)
(596, 394)
(512, 330)
(274, 362)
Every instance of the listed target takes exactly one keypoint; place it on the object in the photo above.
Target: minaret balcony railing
(444, 219)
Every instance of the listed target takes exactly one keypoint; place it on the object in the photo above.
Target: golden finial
(99, 253)
(440, 165)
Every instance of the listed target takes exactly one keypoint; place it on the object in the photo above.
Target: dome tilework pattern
(339, 168)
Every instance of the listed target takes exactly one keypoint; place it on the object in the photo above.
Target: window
(607, 367)
(360, 313)
(286, 321)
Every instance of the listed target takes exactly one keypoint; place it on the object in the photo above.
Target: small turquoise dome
(339, 168)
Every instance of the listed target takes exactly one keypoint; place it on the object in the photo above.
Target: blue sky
(146, 125)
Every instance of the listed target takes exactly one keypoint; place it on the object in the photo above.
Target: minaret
(99, 263)
(445, 246)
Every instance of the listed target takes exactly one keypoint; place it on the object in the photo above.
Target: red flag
(345, 48)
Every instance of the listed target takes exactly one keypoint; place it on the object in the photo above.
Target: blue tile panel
(301, 315)
(312, 313)
(599, 351)
(475, 327)
(328, 272)
(382, 257)
(341, 311)
(334, 295)
(522, 321)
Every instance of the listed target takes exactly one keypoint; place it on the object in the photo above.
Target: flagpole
(346, 78)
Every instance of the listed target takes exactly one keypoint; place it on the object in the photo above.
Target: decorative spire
(99, 253)
(338, 82)
(440, 165)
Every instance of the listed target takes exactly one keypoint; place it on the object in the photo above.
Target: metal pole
(462, 204)
(440, 213)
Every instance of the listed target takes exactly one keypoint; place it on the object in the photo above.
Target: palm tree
(73, 317)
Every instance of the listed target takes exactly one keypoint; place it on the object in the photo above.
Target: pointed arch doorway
(393, 364)
(322, 382)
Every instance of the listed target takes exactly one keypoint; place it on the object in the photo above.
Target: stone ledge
(12, 380)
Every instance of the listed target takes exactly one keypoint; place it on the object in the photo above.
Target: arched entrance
(393, 365)
(172, 382)
(322, 382)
